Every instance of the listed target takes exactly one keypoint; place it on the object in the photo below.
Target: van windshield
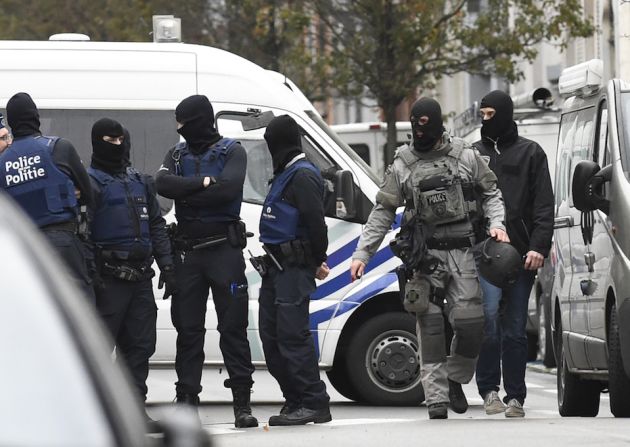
(347, 149)
(249, 131)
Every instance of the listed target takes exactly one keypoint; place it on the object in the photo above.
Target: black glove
(168, 277)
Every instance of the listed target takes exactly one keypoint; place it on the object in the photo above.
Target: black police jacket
(523, 173)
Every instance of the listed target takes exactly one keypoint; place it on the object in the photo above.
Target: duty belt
(69, 226)
(126, 272)
(449, 243)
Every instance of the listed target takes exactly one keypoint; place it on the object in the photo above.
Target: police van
(369, 140)
(591, 249)
(365, 340)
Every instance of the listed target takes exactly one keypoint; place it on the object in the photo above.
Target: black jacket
(190, 190)
(521, 168)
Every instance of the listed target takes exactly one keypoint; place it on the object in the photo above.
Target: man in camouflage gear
(445, 187)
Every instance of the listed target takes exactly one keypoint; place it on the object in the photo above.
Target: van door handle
(562, 222)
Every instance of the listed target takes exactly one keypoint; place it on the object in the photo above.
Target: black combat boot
(438, 410)
(242, 411)
(188, 401)
(457, 398)
(301, 416)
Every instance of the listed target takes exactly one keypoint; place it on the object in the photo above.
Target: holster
(126, 272)
(296, 252)
(237, 235)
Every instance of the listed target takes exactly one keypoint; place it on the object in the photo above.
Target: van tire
(545, 338)
(340, 380)
(618, 382)
(383, 345)
(576, 397)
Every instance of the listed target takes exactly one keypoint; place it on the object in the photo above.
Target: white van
(369, 140)
(365, 340)
(591, 250)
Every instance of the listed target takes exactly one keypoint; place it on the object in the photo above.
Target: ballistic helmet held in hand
(500, 263)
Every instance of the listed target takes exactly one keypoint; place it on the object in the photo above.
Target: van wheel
(340, 380)
(618, 382)
(545, 340)
(383, 360)
(576, 397)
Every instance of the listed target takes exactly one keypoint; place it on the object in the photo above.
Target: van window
(565, 146)
(153, 132)
(362, 151)
(259, 165)
(601, 144)
(583, 142)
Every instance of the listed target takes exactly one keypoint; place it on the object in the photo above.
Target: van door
(571, 149)
(593, 282)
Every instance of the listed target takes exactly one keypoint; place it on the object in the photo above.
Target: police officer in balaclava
(294, 234)
(439, 179)
(205, 176)
(45, 176)
(524, 180)
(127, 233)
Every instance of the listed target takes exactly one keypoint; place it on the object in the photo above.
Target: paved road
(360, 425)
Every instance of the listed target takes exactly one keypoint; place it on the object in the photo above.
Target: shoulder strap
(405, 153)
(101, 177)
(457, 147)
(49, 141)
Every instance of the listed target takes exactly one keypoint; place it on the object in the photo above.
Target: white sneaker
(492, 404)
(514, 409)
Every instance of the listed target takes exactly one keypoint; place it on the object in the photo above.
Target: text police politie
(24, 169)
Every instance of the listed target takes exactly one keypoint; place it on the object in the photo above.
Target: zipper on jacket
(135, 218)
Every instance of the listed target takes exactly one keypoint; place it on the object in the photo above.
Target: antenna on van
(167, 28)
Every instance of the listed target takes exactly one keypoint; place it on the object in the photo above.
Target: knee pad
(469, 331)
(432, 339)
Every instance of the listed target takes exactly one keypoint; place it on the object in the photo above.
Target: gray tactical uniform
(445, 211)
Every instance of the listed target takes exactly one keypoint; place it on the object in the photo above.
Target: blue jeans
(505, 339)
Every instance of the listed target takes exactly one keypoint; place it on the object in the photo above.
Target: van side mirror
(588, 180)
(345, 194)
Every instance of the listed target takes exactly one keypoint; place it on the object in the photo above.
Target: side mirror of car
(345, 194)
(588, 180)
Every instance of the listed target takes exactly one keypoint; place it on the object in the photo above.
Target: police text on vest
(23, 170)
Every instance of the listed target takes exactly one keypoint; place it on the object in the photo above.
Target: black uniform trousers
(286, 336)
(129, 311)
(72, 250)
(222, 269)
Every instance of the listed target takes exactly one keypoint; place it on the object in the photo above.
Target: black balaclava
(432, 130)
(126, 147)
(108, 157)
(22, 115)
(502, 121)
(283, 140)
(197, 116)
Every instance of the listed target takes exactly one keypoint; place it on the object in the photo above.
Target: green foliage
(390, 48)
(275, 34)
(103, 20)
